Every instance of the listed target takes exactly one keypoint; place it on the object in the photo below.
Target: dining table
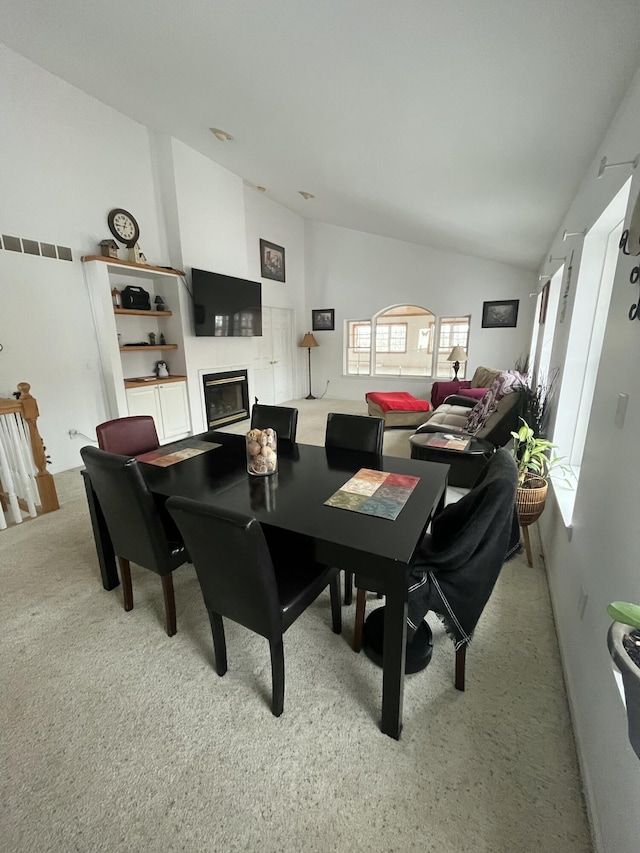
(294, 499)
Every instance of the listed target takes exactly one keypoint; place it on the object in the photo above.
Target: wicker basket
(530, 499)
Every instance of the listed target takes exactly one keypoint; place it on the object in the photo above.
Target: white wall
(267, 220)
(62, 170)
(601, 557)
(358, 274)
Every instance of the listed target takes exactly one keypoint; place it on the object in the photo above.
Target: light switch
(621, 410)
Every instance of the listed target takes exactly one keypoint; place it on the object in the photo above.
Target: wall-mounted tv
(225, 306)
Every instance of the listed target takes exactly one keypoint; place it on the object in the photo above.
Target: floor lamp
(309, 341)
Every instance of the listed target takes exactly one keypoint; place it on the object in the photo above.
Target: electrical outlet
(73, 433)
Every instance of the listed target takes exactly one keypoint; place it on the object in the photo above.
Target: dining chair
(129, 436)
(460, 559)
(263, 579)
(283, 419)
(136, 526)
(353, 432)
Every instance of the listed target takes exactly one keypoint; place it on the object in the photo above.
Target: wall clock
(123, 226)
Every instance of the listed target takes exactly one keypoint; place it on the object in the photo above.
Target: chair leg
(219, 642)
(169, 603)
(358, 625)
(277, 677)
(348, 587)
(461, 654)
(336, 609)
(127, 589)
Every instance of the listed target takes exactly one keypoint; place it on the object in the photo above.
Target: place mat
(169, 454)
(377, 493)
(448, 441)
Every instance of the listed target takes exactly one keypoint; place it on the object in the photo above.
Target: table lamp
(309, 341)
(457, 355)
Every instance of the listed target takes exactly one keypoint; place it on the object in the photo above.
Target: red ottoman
(397, 408)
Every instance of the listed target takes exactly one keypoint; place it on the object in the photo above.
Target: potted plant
(624, 648)
(535, 463)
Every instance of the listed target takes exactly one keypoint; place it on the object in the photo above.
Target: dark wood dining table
(293, 499)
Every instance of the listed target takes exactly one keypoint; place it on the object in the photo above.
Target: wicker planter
(530, 499)
(630, 674)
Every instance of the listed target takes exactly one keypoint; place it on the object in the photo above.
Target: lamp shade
(457, 354)
(308, 341)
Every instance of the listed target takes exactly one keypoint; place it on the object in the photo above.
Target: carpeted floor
(116, 737)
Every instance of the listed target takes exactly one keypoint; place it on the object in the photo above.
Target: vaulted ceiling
(466, 125)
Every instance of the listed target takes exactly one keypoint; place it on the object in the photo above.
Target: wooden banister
(27, 407)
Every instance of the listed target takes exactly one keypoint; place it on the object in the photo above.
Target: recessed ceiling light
(306, 195)
(222, 135)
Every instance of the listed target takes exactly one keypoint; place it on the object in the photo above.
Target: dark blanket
(460, 559)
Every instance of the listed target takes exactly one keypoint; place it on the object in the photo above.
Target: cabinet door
(144, 401)
(174, 409)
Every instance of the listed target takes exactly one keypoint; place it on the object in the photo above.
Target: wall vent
(34, 247)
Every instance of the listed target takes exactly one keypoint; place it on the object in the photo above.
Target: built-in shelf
(140, 313)
(148, 347)
(141, 268)
(143, 381)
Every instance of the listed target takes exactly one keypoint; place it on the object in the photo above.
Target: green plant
(532, 455)
(623, 611)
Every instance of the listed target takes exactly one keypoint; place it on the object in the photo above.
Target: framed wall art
(500, 314)
(271, 261)
(322, 319)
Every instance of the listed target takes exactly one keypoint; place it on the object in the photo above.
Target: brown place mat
(172, 453)
(378, 493)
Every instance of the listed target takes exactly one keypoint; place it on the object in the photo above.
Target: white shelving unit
(127, 366)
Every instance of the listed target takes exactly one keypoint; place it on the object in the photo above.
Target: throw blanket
(505, 383)
(460, 560)
(397, 401)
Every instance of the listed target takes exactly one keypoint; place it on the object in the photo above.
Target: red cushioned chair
(128, 436)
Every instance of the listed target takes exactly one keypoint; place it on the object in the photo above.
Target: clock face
(123, 226)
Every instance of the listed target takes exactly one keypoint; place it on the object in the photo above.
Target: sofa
(476, 387)
(492, 418)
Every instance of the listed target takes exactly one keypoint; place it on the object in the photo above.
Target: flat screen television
(225, 306)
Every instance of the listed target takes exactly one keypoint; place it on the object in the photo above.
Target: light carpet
(116, 737)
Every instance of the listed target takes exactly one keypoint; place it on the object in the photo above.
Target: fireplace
(226, 397)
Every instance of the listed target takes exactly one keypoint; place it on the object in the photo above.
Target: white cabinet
(167, 403)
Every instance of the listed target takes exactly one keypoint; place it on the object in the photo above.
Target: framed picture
(322, 320)
(271, 261)
(501, 314)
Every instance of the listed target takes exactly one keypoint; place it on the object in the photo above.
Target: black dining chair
(263, 581)
(283, 419)
(128, 436)
(460, 559)
(137, 527)
(353, 432)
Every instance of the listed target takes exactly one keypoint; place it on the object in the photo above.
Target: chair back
(129, 436)
(283, 419)
(129, 510)
(354, 432)
(468, 544)
(233, 564)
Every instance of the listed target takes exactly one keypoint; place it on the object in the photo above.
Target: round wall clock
(123, 226)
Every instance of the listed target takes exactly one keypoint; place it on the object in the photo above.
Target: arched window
(404, 340)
